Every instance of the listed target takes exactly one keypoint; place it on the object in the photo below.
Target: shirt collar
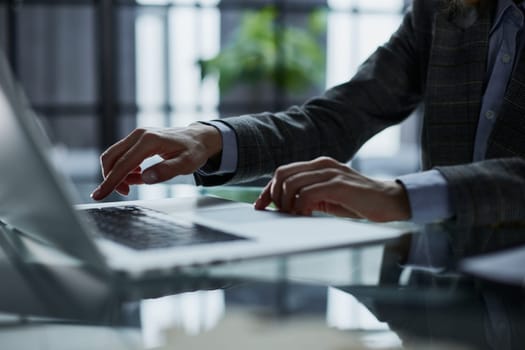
(501, 7)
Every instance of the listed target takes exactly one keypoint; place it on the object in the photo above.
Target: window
(94, 70)
(356, 29)
(171, 36)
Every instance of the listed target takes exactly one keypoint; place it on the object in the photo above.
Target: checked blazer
(436, 58)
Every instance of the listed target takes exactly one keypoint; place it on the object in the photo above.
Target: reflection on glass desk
(403, 294)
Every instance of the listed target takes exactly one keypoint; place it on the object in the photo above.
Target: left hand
(329, 186)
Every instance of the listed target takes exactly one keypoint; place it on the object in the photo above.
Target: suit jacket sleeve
(487, 192)
(385, 90)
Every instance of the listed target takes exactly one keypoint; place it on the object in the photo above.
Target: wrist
(209, 137)
(398, 195)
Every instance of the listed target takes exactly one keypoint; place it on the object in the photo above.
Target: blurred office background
(96, 69)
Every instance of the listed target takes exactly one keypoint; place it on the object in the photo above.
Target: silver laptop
(35, 202)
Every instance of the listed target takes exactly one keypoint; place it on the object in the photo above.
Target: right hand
(184, 150)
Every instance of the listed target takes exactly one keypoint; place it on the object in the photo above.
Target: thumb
(336, 210)
(167, 170)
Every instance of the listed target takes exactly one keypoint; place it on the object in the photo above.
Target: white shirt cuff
(229, 156)
(428, 196)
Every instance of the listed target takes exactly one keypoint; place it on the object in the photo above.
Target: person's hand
(328, 186)
(184, 150)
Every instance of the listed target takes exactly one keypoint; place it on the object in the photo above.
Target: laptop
(35, 203)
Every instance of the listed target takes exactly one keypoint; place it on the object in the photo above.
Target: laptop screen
(34, 199)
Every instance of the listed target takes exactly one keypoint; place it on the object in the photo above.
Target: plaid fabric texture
(434, 58)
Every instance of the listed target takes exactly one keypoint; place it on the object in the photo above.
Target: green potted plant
(263, 54)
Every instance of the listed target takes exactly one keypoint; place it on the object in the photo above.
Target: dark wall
(3, 26)
(57, 54)
(59, 63)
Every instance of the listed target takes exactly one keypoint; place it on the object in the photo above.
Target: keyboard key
(141, 228)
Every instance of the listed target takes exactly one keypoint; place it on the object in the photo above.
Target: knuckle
(104, 157)
(186, 159)
(287, 186)
(279, 172)
(325, 161)
(148, 136)
(332, 172)
(345, 167)
(139, 131)
(338, 181)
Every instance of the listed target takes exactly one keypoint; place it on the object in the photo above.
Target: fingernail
(96, 193)
(258, 204)
(150, 177)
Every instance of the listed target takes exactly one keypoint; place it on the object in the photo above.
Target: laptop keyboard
(141, 228)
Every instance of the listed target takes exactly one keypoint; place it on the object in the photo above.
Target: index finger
(265, 198)
(286, 171)
(281, 174)
(114, 152)
(126, 164)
